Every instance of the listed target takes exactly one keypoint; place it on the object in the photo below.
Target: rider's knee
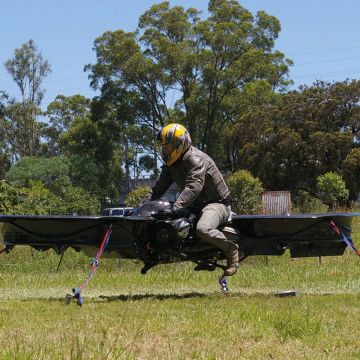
(203, 229)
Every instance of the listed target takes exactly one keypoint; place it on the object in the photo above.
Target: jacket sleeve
(194, 184)
(162, 184)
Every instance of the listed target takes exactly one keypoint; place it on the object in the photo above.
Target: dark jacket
(196, 174)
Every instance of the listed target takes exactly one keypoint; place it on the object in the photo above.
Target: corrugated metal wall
(276, 202)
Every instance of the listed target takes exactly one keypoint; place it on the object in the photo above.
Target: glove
(170, 212)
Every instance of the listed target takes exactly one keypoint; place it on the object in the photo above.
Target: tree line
(220, 76)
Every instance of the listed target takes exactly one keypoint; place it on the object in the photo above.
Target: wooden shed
(276, 202)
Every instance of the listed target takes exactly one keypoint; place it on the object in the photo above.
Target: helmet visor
(165, 150)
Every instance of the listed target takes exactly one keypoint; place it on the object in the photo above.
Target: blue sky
(321, 36)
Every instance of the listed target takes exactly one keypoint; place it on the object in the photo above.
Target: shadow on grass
(141, 297)
(69, 298)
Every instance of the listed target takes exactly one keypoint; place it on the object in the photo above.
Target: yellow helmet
(174, 140)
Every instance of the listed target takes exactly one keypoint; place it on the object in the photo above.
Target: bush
(137, 196)
(8, 197)
(304, 202)
(245, 192)
(76, 200)
(332, 189)
(38, 200)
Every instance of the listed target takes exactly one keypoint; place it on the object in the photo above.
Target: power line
(56, 80)
(65, 79)
(68, 89)
(328, 61)
(340, 72)
(324, 51)
(317, 74)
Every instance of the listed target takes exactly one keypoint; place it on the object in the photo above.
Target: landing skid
(201, 265)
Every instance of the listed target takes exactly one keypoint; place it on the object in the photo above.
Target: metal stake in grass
(223, 284)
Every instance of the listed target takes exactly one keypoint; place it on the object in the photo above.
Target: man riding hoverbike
(202, 186)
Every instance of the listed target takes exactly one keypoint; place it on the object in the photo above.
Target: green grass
(176, 313)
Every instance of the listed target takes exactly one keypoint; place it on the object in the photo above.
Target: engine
(169, 234)
(165, 234)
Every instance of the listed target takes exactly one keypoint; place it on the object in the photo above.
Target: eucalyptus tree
(180, 67)
(61, 113)
(4, 150)
(28, 69)
(291, 140)
(94, 164)
(117, 112)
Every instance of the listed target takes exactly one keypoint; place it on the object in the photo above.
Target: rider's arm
(195, 180)
(162, 184)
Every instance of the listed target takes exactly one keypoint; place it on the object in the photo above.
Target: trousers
(212, 216)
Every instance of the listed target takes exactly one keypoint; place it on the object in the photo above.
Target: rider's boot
(232, 257)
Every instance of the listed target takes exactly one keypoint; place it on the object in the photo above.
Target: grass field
(176, 313)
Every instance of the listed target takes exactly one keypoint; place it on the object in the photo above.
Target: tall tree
(194, 71)
(28, 69)
(94, 164)
(118, 113)
(61, 113)
(4, 150)
(300, 135)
